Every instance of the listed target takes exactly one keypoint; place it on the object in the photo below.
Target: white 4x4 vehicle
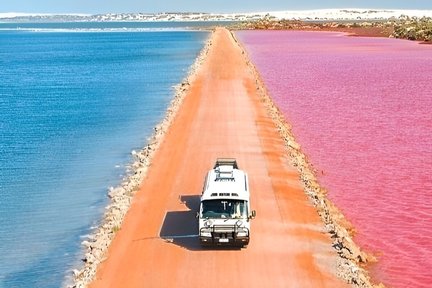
(224, 216)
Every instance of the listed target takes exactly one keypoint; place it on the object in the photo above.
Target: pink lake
(362, 110)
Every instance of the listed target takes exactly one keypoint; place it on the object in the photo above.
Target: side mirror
(253, 214)
(197, 215)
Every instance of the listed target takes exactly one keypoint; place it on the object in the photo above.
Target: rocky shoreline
(353, 261)
(96, 245)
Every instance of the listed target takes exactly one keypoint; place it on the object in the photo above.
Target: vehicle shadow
(181, 227)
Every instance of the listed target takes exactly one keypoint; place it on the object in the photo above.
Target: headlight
(239, 223)
(242, 232)
(205, 234)
(208, 223)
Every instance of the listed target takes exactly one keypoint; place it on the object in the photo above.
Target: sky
(217, 6)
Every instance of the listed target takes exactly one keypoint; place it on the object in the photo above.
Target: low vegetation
(404, 27)
(414, 28)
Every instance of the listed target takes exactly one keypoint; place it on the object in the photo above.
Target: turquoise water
(72, 108)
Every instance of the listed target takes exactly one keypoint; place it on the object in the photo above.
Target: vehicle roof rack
(224, 173)
(226, 162)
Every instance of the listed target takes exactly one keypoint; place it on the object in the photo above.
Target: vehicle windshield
(222, 208)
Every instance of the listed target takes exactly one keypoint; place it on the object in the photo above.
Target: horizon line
(203, 12)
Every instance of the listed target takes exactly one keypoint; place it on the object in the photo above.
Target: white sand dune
(320, 14)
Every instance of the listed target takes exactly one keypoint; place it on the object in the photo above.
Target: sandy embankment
(222, 115)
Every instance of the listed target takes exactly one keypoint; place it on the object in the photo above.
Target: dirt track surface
(221, 116)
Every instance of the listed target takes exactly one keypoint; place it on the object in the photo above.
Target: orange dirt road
(221, 116)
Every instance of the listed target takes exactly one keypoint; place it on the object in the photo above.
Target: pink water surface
(362, 110)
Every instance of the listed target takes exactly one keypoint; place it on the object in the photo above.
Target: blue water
(72, 108)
